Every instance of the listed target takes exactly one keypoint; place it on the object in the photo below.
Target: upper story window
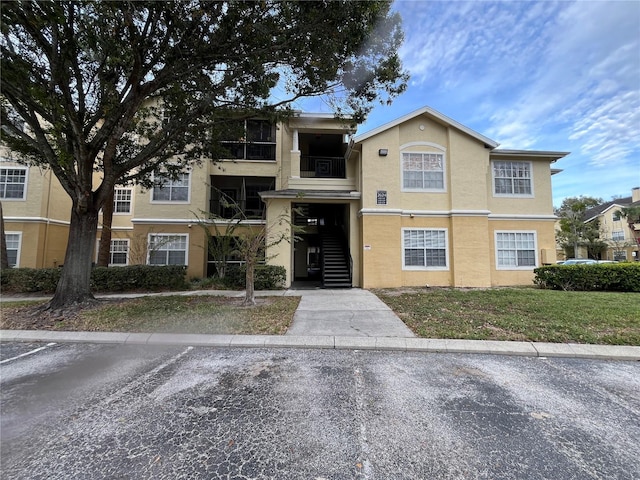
(13, 183)
(424, 249)
(423, 172)
(512, 179)
(256, 140)
(617, 235)
(515, 250)
(122, 201)
(616, 216)
(166, 190)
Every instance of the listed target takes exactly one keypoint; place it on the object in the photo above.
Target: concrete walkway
(334, 319)
(345, 312)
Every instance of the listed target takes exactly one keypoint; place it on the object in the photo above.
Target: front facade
(420, 201)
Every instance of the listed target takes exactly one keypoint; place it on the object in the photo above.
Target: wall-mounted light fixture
(383, 152)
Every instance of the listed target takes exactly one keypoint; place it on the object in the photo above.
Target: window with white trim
(122, 201)
(515, 250)
(620, 255)
(617, 235)
(119, 251)
(171, 190)
(512, 179)
(424, 248)
(166, 249)
(422, 171)
(13, 183)
(13, 241)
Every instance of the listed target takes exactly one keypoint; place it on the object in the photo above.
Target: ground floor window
(119, 252)
(166, 249)
(424, 248)
(620, 255)
(13, 242)
(516, 250)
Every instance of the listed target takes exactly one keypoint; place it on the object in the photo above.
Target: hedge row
(267, 277)
(619, 277)
(114, 279)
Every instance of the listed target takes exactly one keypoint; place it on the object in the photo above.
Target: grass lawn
(526, 314)
(170, 314)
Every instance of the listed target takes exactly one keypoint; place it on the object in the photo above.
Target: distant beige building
(422, 200)
(621, 235)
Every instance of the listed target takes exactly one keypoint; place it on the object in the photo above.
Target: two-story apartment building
(422, 200)
(620, 234)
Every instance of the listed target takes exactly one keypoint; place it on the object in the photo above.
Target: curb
(528, 349)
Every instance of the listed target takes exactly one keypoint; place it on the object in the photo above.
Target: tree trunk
(104, 250)
(74, 285)
(4, 257)
(249, 298)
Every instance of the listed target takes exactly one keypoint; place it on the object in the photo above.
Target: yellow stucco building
(422, 200)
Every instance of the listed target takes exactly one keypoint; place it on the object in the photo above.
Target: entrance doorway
(321, 255)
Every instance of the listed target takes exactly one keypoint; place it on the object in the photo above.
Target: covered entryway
(321, 255)
(326, 252)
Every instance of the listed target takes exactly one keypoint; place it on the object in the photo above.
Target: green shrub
(103, 279)
(619, 277)
(28, 280)
(138, 277)
(267, 277)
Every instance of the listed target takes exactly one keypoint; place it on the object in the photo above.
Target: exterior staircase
(336, 263)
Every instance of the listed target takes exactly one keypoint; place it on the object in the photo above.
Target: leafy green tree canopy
(574, 232)
(122, 87)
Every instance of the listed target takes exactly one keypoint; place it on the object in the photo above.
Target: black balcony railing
(322, 167)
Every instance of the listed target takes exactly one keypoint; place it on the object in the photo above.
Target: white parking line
(31, 352)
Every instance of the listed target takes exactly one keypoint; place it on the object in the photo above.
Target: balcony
(238, 197)
(322, 167)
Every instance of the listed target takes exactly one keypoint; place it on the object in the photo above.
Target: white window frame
(617, 235)
(169, 183)
(620, 255)
(116, 200)
(444, 171)
(512, 195)
(111, 252)
(516, 267)
(24, 190)
(19, 249)
(444, 267)
(168, 243)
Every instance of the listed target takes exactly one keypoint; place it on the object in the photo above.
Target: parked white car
(579, 261)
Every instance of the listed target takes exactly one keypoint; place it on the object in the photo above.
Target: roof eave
(434, 113)
(551, 155)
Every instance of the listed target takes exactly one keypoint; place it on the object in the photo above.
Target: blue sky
(561, 76)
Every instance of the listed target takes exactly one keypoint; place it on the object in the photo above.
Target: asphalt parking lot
(137, 412)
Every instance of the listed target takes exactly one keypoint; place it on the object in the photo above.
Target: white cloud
(540, 75)
(587, 83)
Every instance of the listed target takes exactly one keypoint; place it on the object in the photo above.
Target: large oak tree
(121, 88)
